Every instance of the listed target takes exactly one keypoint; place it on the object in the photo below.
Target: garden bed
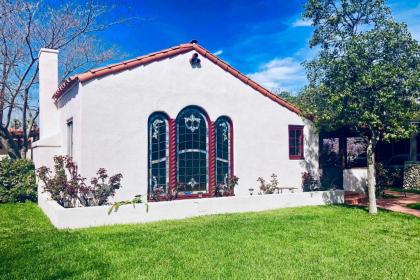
(179, 209)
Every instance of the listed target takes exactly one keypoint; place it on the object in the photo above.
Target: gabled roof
(183, 48)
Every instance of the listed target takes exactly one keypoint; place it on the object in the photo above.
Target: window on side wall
(70, 137)
(296, 142)
(223, 150)
(158, 152)
(192, 150)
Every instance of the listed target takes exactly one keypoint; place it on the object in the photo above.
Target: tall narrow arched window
(223, 130)
(192, 150)
(158, 152)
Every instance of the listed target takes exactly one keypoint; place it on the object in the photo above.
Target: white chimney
(48, 83)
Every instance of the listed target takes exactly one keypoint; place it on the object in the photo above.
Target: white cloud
(219, 52)
(281, 73)
(301, 22)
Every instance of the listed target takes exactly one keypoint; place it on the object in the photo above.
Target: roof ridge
(155, 56)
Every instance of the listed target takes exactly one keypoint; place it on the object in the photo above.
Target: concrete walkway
(398, 204)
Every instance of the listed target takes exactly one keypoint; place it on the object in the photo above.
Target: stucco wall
(355, 180)
(70, 107)
(115, 110)
(179, 209)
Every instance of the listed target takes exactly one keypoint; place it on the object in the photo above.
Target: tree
(366, 76)
(295, 99)
(27, 26)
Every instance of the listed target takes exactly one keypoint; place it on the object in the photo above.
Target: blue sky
(266, 40)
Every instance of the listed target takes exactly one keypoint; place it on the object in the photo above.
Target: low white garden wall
(179, 209)
(355, 180)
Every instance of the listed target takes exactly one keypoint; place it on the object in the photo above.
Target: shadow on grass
(366, 209)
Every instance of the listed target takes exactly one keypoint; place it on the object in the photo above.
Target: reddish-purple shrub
(69, 188)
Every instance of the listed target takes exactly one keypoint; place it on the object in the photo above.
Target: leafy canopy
(366, 75)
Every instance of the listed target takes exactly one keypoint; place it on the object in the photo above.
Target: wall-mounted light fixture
(195, 61)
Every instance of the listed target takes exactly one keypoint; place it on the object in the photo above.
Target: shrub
(17, 181)
(73, 191)
(159, 193)
(309, 182)
(387, 177)
(268, 188)
(415, 205)
(328, 181)
(227, 188)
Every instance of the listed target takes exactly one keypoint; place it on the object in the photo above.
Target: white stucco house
(178, 117)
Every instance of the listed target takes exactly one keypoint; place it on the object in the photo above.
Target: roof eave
(142, 60)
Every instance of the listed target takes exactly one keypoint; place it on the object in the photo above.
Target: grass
(414, 206)
(326, 242)
(387, 196)
(403, 190)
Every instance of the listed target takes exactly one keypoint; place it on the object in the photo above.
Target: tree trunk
(371, 179)
(9, 143)
(23, 152)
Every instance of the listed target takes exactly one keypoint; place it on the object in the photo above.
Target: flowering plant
(270, 187)
(227, 188)
(69, 188)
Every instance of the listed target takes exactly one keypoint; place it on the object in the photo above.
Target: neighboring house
(343, 158)
(177, 117)
(17, 134)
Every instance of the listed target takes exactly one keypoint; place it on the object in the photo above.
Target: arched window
(158, 152)
(192, 150)
(223, 132)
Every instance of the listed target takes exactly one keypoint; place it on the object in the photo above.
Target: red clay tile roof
(142, 60)
(17, 132)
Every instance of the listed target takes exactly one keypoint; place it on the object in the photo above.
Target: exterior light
(195, 61)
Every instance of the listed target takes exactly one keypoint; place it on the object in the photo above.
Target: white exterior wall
(48, 82)
(49, 143)
(112, 124)
(179, 209)
(70, 107)
(355, 180)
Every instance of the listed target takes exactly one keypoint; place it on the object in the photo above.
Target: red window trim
(301, 146)
(211, 153)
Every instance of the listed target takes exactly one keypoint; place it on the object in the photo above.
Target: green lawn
(414, 206)
(403, 190)
(329, 242)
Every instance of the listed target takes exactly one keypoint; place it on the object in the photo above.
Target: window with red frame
(296, 142)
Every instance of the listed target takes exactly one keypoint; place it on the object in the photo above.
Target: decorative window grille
(192, 150)
(158, 152)
(223, 152)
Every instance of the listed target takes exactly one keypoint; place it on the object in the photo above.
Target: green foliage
(136, 200)
(387, 177)
(227, 188)
(367, 75)
(324, 242)
(17, 181)
(335, 21)
(295, 99)
(414, 206)
(403, 190)
(270, 187)
(69, 188)
(309, 182)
